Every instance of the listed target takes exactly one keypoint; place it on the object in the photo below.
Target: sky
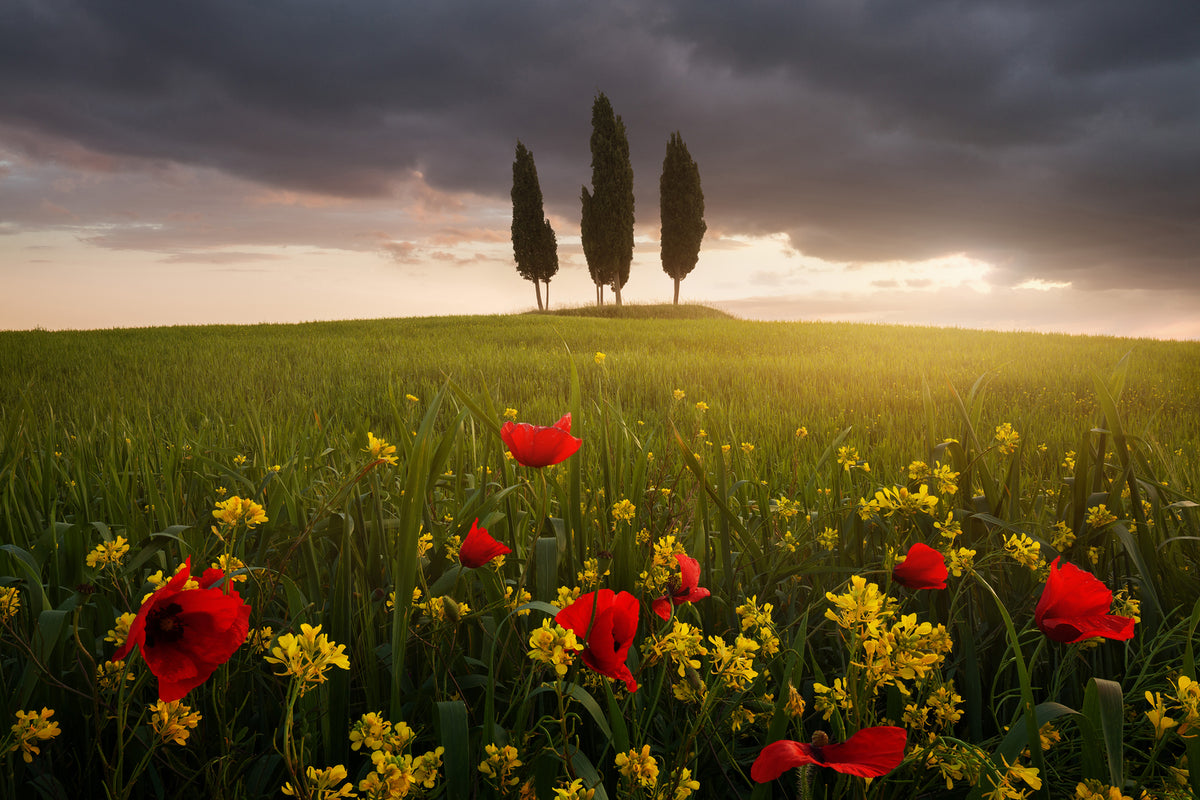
(1007, 165)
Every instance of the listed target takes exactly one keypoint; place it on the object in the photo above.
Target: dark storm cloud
(1053, 140)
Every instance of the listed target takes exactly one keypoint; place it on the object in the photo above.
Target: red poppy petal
(922, 568)
(662, 607)
(1071, 592)
(778, 757)
(578, 615)
(869, 753)
(479, 548)
(1069, 630)
(564, 423)
(689, 572)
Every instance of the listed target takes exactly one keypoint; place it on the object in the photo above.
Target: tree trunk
(547, 295)
(617, 292)
(677, 291)
(537, 287)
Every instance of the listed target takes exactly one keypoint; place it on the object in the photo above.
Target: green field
(755, 447)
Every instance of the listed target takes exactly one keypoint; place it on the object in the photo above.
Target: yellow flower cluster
(31, 729)
(940, 711)
(599, 357)
(239, 511)
(589, 577)
(1006, 787)
(1061, 536)
(108, 675)
(10, 602)
(376, 733)
(443, 609)
(108, 554)
(322, 784)
(173, 721)
(1006, 438)
(575, 790)
(960, 561)
(515, 599)
(554, 645)
(682, 646)
(623, 511)
(230, 564)
(568, 595)
(907, 651)
(949, 529)
(947, 479)
(861, 610)
(902, 501)
(401, 775)
(1024, 550)
(957, 762)
(828, 699)
(702, 406)
(663, 566)
(678, 394)
(638, 767)
(757, 620)
(307, 657)
(501, 765)
(848, 457)
(734, 664)
(380, 449)
(120, 632)
(1099, 516)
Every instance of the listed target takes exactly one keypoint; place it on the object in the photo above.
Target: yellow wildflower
(108, 675)
(1007, 438)
(555, 646)
(1099, 516)
(678, 394)
(638, 767)
(237, 510)
(380, 449)
(308, 657)
(623, 511)
(30, 729)
(501, 765)
(173, 721)
(599, 357)
(108, 553)
(322, 784)
(10, 602)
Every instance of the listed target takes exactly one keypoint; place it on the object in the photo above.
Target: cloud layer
(1055, 141)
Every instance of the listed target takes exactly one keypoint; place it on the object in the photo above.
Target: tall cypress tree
(681, 207)
(607, 222)
(535, 247)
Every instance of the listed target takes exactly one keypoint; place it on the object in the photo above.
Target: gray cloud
(1053, 140)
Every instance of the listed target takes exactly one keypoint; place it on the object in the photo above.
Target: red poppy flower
(870, 753)
(605, 623)
(922, 568)
(185, 634)
(689, 589)
(1075, 605)
(539, 446)
(479, 547)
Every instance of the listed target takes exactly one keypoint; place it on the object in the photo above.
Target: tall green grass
(139, 433)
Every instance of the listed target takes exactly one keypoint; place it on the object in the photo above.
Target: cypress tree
(607, 222)
(535, 247)
(681, 207)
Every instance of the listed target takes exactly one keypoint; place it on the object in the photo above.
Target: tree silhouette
(535, 248)
(681, 207)
(606, 225)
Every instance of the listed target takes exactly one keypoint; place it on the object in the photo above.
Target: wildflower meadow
(568, 557)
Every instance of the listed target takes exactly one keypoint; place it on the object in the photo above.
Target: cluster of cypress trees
(607, 219)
